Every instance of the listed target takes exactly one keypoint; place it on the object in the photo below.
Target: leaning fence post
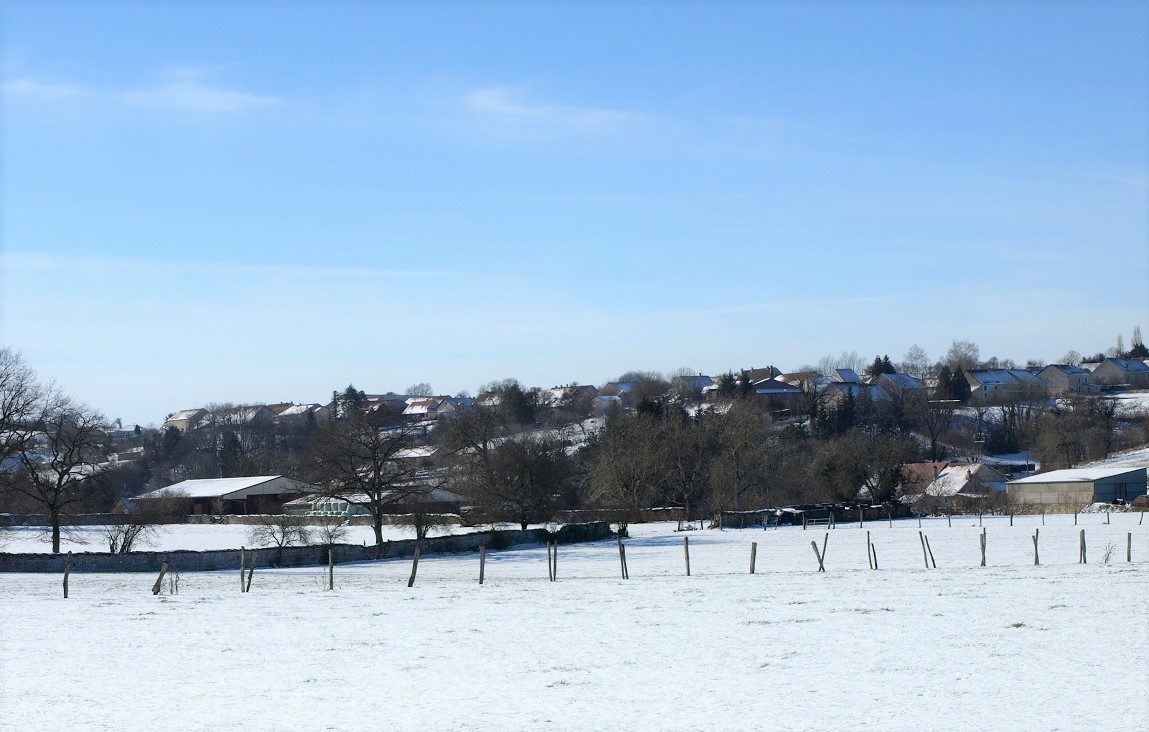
(925, 559)
(242, 562)
(67, 571)
(754, 554)
(821, 566)
(931, 551)
(1036, 559)
(250, 570)
(869, 558)
(686, 551)
(160, 580)
(874, 551)
(414, 568)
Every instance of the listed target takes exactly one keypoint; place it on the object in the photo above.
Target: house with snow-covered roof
(956, 487)
(1130, 372)
(1067, 379)
(995, 385)
(185, 419)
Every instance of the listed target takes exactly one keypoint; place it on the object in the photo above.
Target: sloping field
(1061, 646)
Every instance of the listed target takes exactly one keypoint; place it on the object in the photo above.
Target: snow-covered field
(1061, 646)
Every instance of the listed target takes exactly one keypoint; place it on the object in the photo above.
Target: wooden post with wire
(242, 561)
(482, 562)
(686, 551)
(250, 570)
(330, 568)
(981, 539)
(1036, 558)
(754, 555)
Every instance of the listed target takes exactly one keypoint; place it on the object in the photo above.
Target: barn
(255, 494)
(1078, 487)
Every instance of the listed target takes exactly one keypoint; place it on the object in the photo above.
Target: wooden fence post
(622, 558)
(874, 551)
(331, 567)
(1011, 519)
(869, 558)
(818, 555)
(250, 570)
(160, 580)
(861, 517)
(555, 567)
(686, 551)
(754, 554)
(803, 521)
(482, 561)
(981, 539)
(925, 558)
(1129, 547)
(825, 540)
(931, 551)
(242, 561)
(550, 564)
(1082, 559)
(414, 568)
(67, 571)
(950, 520)
(1036, 559)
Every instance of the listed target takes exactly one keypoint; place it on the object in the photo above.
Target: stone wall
(297, 556)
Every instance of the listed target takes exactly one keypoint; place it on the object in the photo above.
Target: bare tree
(278, 531)
(623, 469)
(361, 463)
(59, 447)
(738, 470)
(964, 355)
(141, 523)
(915, 362)
(422, 389)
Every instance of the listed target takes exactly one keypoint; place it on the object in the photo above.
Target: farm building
(1078, 487)
(256, 494)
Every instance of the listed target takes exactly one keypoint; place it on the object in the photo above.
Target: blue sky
(268, 202)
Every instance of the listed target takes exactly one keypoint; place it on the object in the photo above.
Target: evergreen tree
(959, 386)
(727, 385)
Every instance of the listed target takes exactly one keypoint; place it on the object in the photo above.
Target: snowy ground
(1011, 646)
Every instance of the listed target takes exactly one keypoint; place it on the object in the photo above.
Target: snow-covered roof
(1080, 475)
(956, 477)
(846, 376)
(211, 487)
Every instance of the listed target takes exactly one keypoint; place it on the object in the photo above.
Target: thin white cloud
(186, 91)
(42, 90)
(505, 105)
(28, 261)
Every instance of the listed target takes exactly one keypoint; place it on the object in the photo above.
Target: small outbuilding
(1078, 487)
